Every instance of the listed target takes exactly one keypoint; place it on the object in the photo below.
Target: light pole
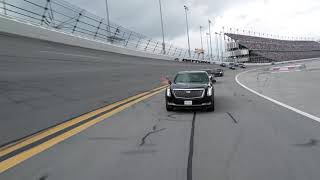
(4, 6)
(217, 46)
(221, 45)
(163, 43)
(201, 37)
(209, 21)
(108, 19)
(201, 40)
(208, 46)
(186, 11)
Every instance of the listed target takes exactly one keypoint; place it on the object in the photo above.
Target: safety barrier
(62, 16)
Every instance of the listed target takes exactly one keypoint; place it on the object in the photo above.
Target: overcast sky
(279, 17)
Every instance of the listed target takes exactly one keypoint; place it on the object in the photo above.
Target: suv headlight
(209, 92)
(168, 92)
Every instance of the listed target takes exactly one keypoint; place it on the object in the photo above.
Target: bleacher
(269, 50)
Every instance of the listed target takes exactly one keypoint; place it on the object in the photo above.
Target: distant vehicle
(243, 66)
(231, 64)
(211, 73)
(223, 65)
(232, 67)
(218, 73)
(236, 65)
(190, 89)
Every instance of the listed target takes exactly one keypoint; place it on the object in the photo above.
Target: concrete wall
(12, 26)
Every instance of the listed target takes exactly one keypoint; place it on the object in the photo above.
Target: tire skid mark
(191, 148)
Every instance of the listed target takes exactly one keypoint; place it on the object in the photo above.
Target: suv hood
(188, 86)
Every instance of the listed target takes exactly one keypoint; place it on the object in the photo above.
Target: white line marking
(67, 54)
(274, 72)
(275, 101)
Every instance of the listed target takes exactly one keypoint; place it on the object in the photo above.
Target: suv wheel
(211, 107)
(168, 107)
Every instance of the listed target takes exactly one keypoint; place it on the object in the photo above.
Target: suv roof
(192, 72)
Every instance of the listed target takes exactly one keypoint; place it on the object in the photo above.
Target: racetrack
(246, 138)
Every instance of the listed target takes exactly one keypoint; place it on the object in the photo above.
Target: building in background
(235, 52)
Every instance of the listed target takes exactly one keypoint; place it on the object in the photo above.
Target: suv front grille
(188, 93)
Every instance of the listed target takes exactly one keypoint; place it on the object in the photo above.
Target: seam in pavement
(315, 118)
(191, 144)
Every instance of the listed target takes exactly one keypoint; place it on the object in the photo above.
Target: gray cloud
(143, 15)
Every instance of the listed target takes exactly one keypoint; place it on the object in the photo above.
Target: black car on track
(218, 73)
(242, 66)
(211, 73)
(223, 65)
(232, 67)
(190, 89)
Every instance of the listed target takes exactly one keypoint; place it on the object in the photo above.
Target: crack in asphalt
(234, 119)
(265, 82)
(191, 144)
(143, 140)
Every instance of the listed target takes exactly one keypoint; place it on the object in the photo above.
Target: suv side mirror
(168, 81)
(212, 79)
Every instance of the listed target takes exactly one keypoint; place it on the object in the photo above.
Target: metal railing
(63, 16)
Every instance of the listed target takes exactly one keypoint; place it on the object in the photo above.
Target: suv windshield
(209, 71)
(198, 78)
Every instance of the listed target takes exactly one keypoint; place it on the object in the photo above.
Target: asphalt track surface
(44, 83)
(298, 87)
(246, 138)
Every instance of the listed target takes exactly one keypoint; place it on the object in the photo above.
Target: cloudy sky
(278, 17)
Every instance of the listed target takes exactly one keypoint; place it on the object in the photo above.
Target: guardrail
(65, 17)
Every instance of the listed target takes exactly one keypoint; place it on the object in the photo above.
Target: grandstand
(244, 48)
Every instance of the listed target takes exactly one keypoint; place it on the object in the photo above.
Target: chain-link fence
(63, 16)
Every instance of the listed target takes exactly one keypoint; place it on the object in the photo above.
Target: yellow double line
(109, 111)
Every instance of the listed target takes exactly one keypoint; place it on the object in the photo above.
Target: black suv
(190, 89)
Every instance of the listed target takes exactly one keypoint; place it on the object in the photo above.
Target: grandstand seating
(267, 49)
